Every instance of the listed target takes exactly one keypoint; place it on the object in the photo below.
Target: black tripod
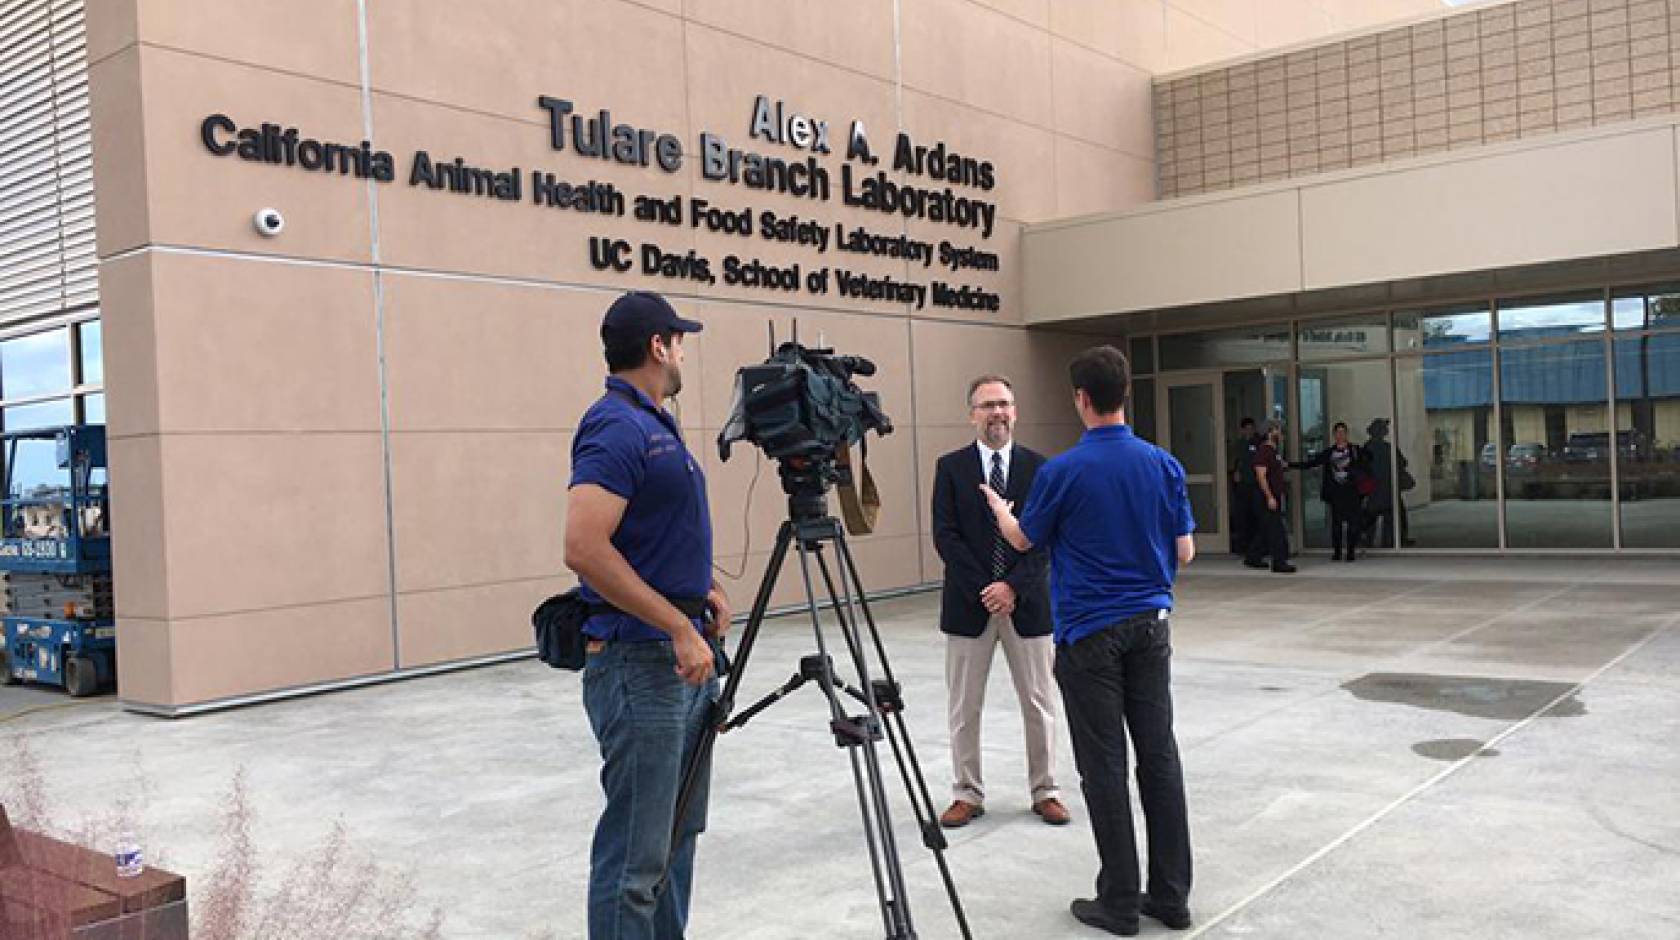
(809, 529)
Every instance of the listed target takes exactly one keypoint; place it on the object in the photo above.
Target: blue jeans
(647, 722)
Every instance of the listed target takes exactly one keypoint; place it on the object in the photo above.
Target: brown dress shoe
(1053, 812)
(961, 814)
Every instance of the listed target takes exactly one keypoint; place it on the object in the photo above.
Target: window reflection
(1447, 432)
(1551, 318)
(1225, 347)
(91, 336)
(1557, 483)
(1344, 338)
(1442, 329)
(36, 364)
(1647, 439)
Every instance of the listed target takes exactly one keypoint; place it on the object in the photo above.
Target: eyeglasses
(999, 404)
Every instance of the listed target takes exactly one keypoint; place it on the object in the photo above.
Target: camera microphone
(858, 364)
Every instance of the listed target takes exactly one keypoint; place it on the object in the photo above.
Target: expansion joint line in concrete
(1425, 786)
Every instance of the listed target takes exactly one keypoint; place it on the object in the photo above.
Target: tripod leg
(872, 804)
(909, 768)
(726, 700)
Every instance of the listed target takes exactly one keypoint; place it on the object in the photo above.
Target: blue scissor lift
(55, 548)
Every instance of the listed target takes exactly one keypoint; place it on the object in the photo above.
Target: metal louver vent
(47, 257)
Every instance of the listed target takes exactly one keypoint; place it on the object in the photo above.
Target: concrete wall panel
(222, 657)
(196, 199)
(480, 507)
(258, 521)
(254, 346)
(1160, 258)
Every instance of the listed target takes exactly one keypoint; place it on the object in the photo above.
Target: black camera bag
(558, 624)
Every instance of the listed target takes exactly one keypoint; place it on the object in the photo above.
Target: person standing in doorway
(1346, 479)
(1271, 492)
(1242, 486)
(993, 596)
(639, 537)
(1114, 513)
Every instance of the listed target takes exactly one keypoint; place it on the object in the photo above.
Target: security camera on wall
(268, 222)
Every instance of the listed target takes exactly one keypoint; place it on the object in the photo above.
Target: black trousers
(1269, 536)
(1122, 677)
(1242, 517)
(1347, 516)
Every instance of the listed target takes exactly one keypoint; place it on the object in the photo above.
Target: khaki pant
(1031, 665)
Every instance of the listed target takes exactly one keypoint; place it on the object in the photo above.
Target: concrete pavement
(1420, 747)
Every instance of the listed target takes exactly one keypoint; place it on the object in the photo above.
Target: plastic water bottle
(130, 860)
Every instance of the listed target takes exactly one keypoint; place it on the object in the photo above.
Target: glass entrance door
(1192, 417)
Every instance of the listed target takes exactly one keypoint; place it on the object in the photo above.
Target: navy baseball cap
(641, 313)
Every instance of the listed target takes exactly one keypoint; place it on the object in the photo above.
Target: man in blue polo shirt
(639, 536)
(1115, 515)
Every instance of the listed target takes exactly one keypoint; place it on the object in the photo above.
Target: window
(1556, 496)
(1442, 329)
(1355, 394)
(1225, 347)
(1647, 439)
(35, 364)
(1654, 308)
(1341, 339)
(1142, 355)
(1551, 318)
(1446, 408)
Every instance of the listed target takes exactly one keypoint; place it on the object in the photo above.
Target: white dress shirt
(986, 453)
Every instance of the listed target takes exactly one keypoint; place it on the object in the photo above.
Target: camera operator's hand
(695, 662)
(999, 598)
(717, 603)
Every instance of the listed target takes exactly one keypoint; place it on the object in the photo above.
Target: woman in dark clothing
(1345, 464)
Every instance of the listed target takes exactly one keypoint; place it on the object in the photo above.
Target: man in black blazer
(994, 596)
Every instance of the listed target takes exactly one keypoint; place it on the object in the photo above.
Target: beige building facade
(339, 450)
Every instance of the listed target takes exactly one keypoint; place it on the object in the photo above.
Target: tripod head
(806, 481)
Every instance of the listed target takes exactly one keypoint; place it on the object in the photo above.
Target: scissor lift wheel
(81, 676)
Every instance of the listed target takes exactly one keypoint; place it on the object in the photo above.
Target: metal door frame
(1219, 541)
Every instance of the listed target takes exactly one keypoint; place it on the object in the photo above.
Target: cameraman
(639, 536)
(1115, 515)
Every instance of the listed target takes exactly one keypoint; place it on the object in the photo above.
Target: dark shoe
(1284, 568)
(1178, 918)
(960, 814)
(1092, 914)
(1337, 556)
(1253, 564)
(1053, 811)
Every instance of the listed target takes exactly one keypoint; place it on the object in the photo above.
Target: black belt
(690, 607)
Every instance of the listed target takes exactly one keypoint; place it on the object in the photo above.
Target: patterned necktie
(1000, 554)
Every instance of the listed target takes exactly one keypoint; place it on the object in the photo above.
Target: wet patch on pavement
(1472, 696)
(1451, 749)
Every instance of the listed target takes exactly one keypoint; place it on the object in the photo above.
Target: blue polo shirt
(1110, 511)
(632, 448)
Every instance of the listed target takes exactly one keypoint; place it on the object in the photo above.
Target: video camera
(801, 407)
